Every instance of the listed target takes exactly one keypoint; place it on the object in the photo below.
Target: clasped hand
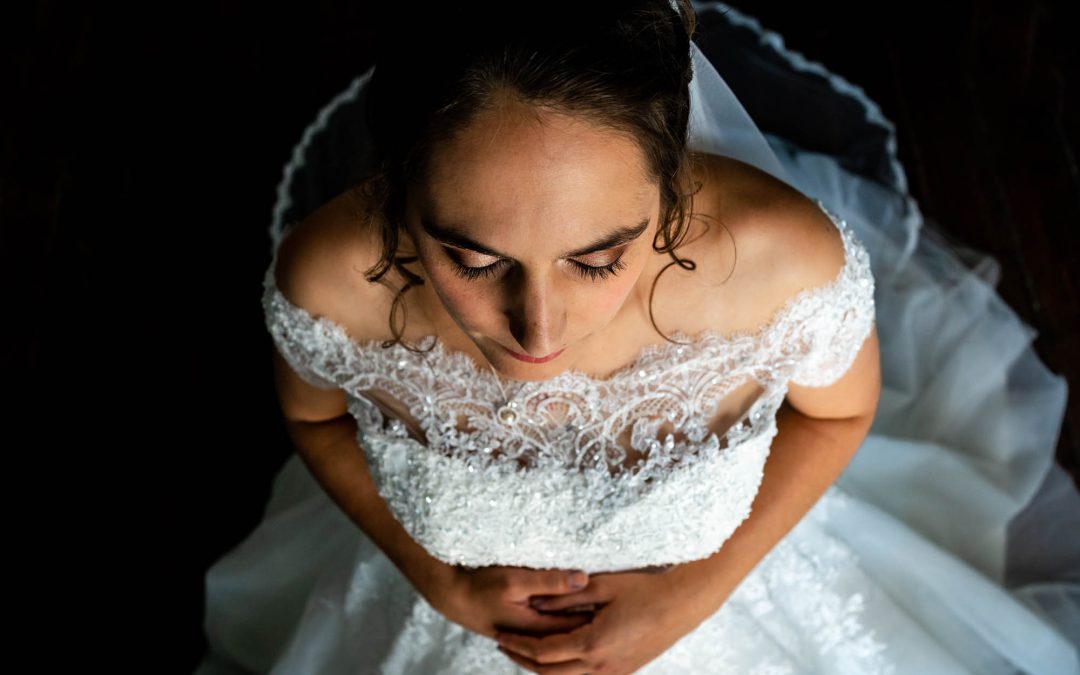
(616, 624)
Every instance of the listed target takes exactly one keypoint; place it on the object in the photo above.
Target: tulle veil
(960, 459)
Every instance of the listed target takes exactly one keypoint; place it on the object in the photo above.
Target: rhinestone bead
(507, 415)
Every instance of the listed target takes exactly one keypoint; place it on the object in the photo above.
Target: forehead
(515, 163)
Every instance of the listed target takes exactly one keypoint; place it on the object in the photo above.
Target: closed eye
(591, 272)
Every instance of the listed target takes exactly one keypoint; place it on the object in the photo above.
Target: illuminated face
(533, 228)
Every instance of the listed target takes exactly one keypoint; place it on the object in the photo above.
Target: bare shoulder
(322, 262)
(783, 242)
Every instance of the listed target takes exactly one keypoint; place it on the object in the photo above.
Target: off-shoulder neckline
(647, 355)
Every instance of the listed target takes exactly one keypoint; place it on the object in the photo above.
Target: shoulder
(322, 261)
(783, 242)
(792, 245)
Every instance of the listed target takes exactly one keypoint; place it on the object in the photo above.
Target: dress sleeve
(304, 343)
(842, 322)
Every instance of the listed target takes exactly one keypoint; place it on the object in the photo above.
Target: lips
(530, 359)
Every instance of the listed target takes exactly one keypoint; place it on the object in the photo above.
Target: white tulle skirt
(966, 531)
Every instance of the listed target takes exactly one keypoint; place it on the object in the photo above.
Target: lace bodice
(632, 470)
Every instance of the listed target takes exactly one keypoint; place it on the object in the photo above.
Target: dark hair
(624, 64)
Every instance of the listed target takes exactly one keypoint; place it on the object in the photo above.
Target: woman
(494, 381)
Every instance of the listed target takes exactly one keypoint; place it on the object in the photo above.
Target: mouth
(531, 359)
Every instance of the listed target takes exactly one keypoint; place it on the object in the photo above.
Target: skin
(578, 181)
(534, 184)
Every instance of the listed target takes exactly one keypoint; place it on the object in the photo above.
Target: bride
(553, 332)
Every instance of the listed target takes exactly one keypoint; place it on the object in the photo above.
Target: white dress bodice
(634, 470)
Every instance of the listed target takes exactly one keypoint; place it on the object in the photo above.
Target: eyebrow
(454, 237)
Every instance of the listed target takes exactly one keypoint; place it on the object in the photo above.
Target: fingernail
(577, 580)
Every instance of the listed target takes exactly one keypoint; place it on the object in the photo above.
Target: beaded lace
(606, 474)
(611, 473)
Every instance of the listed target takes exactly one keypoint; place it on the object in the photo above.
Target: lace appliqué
(574, 420)
(563, 483)
(799, 610)
(796, 594)
(842, 320)
(300, 339)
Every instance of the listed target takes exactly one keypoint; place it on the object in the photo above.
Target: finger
(572, 667)
(556, 602)
(559, 582)
(554, 648)
(544, 624)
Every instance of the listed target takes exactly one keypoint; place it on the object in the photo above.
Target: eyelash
(586, 271)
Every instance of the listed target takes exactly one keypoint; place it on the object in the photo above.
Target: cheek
(605, 301)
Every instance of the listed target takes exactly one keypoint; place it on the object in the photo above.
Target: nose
(537, 317)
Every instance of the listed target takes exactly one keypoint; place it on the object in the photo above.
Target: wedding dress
(948, 545)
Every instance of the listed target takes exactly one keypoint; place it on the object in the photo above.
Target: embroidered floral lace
(634, 470)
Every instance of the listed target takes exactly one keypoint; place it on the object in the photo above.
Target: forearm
(806, 457)
(332, 454)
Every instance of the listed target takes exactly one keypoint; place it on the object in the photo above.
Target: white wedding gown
(950, 544)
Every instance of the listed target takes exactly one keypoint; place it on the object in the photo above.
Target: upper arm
(858, 389)
(303, 402)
